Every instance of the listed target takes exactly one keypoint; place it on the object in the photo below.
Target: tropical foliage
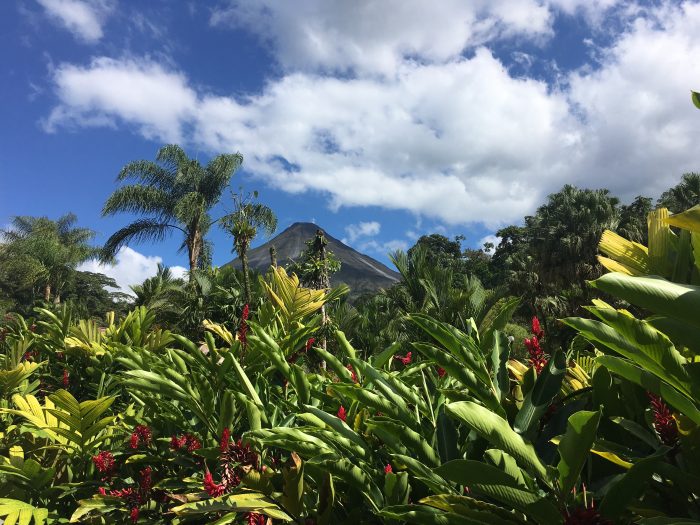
(135, 423)
(234, 397)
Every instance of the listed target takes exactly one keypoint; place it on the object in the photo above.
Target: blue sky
(380, 121)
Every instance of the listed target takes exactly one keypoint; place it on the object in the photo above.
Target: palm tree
(683, 195)
(565, 231)
(157, 292)
(243, 224)
(45, 252)
(176, 193)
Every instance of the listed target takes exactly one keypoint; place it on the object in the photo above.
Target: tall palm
(564, 233)
(243, 223)
(683, 195)
(175, 193)
(46, 253)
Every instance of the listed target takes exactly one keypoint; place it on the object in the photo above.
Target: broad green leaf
(497, 431)
(500, 486)
(656, 294)
(652, 383)
(538, 399)
(575, 446)
(241, 502)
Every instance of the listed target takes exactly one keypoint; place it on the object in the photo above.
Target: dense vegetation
(531, 382)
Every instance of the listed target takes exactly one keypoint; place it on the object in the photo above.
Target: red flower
(146, 482)
(225, 438)
(309, 342)
(141, 435)
(66, 378)
(187, 441)
(585, 516)
(441, 372)
(176, 443)
(536, 328)
(243, 327)
(104, 463)
(388, 469)
(256, 519)
(537, 357)
(211, 487)
(405, 359)
(341, 413)
(352, 371)
(134, 514)
(664, 422)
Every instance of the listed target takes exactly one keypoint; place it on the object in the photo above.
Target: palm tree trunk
(47, 292)
(194, 248)
(246, 277)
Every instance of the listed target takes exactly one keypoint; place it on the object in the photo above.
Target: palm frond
(138, 198)
(137, 231)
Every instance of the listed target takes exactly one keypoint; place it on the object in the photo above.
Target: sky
(378, 120)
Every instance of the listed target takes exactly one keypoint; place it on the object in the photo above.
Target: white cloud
(138, 92)
(451, 138)
(84, 18)
(362, 229)
(378, 37)
(493, 239)
(130, 267)
(639, 123)
(383, 248)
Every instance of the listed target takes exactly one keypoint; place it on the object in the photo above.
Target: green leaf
(500, 486)
(241, 502)
(547, 386)
(630, 486)
(695, 97)
(497, 431)
(655, 294)
(652, 383)
(575, 447)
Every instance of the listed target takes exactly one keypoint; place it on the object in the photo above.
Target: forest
(550, 379)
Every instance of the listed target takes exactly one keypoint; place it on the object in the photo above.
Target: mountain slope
(360, 272)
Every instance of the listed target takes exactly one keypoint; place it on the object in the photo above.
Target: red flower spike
(256, 519)
(134, 514)
(405, 359)
(352, 371)
(388, 469)
(142, 435)
(309, 342)
(102, 491)
(225, 439)
(341, 413)
(536, 328)
(146, 482)
(211, 487)
(441, 372)
(104, 463)
(66, 378)
(243, 327)
(664, 422)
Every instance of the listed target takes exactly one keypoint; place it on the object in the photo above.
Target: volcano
(361, 273)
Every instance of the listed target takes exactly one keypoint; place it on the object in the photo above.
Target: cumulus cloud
(107, 91)
(362, 229)
(366, 36)
(130, 267)
(453, 138)
(85, 19)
